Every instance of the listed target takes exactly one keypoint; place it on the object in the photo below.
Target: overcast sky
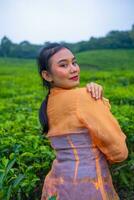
(39, 21)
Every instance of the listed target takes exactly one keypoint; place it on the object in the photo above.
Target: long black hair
(43, 64)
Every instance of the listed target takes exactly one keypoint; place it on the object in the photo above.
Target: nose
(72, 68)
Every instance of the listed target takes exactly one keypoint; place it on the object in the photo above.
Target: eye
(74, 63)
(63, 65)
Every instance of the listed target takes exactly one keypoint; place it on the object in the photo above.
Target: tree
(5, 46)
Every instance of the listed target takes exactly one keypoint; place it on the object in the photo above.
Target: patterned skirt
(79, 172)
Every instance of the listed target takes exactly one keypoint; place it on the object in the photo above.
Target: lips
(74, 78)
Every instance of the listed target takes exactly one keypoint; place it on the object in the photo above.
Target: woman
(84, 133)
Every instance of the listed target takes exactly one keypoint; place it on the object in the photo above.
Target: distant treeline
(113, 40)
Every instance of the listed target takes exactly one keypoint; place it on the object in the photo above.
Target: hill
(122, 59)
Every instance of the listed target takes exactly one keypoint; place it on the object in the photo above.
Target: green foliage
(52, 198)
(25, 154)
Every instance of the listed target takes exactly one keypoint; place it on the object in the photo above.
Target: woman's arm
(103, 126)
(95, 89)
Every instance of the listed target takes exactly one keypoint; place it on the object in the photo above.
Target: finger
(92, 86)
(97, 92)
(88, 87)
(100, 92)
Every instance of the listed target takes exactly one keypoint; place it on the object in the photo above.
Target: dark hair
(43, 64)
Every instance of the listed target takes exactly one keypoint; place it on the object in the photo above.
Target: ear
(46, 75)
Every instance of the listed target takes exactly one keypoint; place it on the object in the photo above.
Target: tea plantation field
(25, 154)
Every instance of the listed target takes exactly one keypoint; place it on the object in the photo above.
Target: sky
(39, 21)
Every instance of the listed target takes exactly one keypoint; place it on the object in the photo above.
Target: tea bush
(25, 154)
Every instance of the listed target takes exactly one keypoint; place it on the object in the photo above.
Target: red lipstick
(74, 78)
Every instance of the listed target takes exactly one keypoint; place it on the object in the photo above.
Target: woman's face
(65, 71)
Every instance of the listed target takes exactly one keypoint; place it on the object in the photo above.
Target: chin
(70, 85)
(75, 85)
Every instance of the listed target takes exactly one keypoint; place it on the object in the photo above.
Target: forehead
(61, 55)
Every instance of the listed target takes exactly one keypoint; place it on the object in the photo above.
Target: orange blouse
(72, 110)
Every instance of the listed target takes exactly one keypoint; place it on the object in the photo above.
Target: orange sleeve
(103, 127)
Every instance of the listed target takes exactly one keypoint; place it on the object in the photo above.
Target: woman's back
(62, 111)
(80, 170)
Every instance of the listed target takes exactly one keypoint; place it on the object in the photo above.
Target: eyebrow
(65, 60)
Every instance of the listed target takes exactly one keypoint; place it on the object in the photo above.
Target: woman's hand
(95, 89)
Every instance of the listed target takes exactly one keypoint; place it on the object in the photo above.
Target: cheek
(78, 70)
(61, 73)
